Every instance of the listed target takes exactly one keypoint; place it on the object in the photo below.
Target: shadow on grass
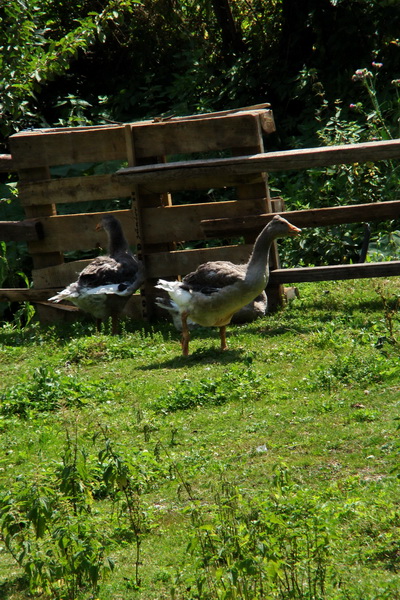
(201, 355)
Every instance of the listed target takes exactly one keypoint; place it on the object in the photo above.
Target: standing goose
(216, 290)
(105, 285)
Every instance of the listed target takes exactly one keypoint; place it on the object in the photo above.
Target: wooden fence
(145, 170)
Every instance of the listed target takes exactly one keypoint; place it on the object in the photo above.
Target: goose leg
(114, 325)
(222, 335)
(185, 335)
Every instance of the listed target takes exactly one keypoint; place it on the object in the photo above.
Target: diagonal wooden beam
(314, 217)
(287, 160)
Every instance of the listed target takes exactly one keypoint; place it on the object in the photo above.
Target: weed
(255, 548)
(391, 307)
(50, 390)
(126, 479)
(350, 370)
(57, 545)
(235, 384)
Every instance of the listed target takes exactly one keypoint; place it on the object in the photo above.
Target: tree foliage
(84, 61)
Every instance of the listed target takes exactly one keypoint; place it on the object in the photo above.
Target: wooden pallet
(154, 223)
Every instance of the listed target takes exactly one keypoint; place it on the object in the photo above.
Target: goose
(212, 294)
(252, 311)
(105, 285)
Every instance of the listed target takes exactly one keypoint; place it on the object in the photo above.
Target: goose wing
(105, 270)
(214, 275)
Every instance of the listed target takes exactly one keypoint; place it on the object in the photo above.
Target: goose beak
(294, 230)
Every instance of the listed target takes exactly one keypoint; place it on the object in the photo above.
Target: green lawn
(267, 471)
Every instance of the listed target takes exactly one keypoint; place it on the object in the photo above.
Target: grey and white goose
(106, 284)
(212, 294)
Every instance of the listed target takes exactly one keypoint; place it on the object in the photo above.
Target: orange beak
(294, 230)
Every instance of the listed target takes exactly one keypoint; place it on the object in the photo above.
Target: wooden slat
(38, 147)
(181, 262)
(78, 232)
(203, 135)
(25, 294)
(20, 231)
(103, 187)
(183, 223)
(166, 175)
(35, 148)
(7, 164)
(220, 113)
(202, 182)
(70, 190)
(314, 217)
(336, 272)
(49, 257)
(58, 276)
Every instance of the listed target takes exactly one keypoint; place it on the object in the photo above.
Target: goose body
(252, 311)
(212, 294)
(105, 285)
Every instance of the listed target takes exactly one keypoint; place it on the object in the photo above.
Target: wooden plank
(315, 217)
(78, 232)
(48, 257)
(220, 113)
(202, 182)
(58, 276)
(336, 272)
(104, 187)
(7, 164)
(183, 223)
(181, 262)
(93, 144)
(25, 294)
(197, 135)
(20, 231)
(35, 148)
(70, 190)
(166, 175)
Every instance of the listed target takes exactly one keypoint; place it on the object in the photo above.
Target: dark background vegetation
(83, 62)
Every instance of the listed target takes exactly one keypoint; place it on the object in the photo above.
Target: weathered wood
(78, 232)
(104, 187)
(20, 231)
(95, 144)
(335, 272)
(183, 223)
(166, 175)
(70, 190)
(181, 262)
(188, 136)
(51, 257)
(7, 164)
(69, 146)
(58, 276)
(25, 294)
(314, 217)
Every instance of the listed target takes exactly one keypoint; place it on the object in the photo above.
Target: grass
(131, 472)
